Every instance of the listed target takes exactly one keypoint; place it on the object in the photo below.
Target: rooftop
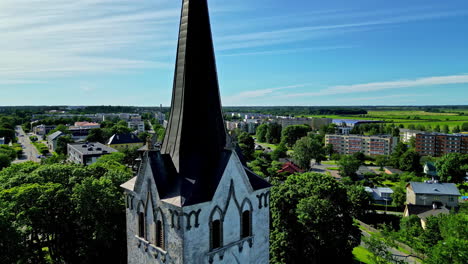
(92, 148)
(434, 188)
(129, 138)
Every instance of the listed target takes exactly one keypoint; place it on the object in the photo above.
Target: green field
(407, 118)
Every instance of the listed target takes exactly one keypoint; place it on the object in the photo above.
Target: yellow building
(124, 141)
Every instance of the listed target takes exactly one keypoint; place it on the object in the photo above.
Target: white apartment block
(407, 134)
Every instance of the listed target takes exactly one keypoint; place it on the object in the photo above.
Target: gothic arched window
(141, 224)
(216, 234)
(159, 234)
(246, 224)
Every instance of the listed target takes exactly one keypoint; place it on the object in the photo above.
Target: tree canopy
(63, 213)
(452, 167)
(311, 221)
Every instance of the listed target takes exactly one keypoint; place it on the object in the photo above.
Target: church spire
(195, 135)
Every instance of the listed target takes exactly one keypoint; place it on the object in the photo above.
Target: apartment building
(369, 145)
(438, 144)
(407, 134)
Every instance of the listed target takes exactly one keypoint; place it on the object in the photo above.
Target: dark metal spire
(195, 135)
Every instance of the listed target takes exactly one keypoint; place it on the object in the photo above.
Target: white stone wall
(233, 191)
(188, 240)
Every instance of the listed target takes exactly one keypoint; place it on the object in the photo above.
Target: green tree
(62, 143)
(360, 156)
(410, 161)
(399, 196)
(464, 127)
(96, 135)
(329, 150)
(273, 135)
(306, 149)
(61, 128)
(456, 129)
(445, 129)
(412, 142)
(452, 250)
(5, 161)
(280, 152)
(437, 128)
(399, 150)
(303, 210)
(293, 133)
(261, 132)
(380, 251)
(246, 144)
(450, 167)
(360, 200)
(382, 161)
(56, 207)
(348, 165)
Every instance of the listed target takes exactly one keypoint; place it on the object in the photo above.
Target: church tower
(194, 200)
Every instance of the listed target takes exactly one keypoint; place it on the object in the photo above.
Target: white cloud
(43, 39)
(378, 86)
(257, 93)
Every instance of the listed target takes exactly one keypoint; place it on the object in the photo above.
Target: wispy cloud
(285, 51)
(44, 39)
(258, 93)
(378, 86)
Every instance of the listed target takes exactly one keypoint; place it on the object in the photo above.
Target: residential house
(432, 192)
(43, 129)
(424, 211)
(364, 171)
(2, 141)
(52, 140)
(430, 198)
(124, 141)
(291, 168)
(87, 153)
(381, 195)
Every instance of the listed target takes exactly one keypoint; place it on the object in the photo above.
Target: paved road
(30, 153)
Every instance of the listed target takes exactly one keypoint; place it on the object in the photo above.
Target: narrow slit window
(216, 234)
(141, 225)
(246, 225)
(159, 234)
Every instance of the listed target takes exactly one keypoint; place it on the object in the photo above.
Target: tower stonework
(195, 200)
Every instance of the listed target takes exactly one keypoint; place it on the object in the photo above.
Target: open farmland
(407, 118)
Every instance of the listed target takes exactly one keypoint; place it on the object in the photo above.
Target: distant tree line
(297, 110)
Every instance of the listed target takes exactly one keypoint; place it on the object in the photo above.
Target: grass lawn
(361, 255)
(329, 162)
(333, 168)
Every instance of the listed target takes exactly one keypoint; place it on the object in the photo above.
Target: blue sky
(269, 52)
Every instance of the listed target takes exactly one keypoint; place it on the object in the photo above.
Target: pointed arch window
(216, 234)
(246, 224)
(159, 234)
(141, 224)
